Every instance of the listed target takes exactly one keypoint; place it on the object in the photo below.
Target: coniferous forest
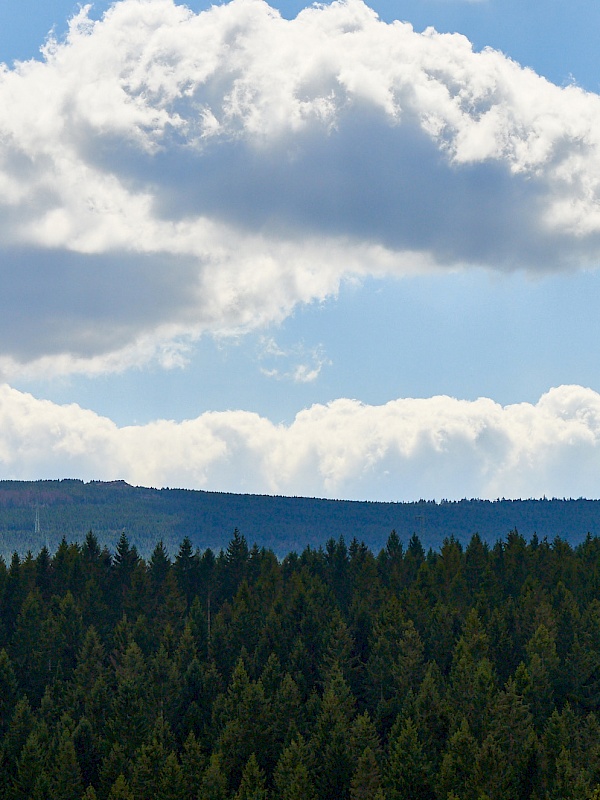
(468, 673)
(71, 508)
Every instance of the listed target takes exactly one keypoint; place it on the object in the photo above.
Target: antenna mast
(38, 529)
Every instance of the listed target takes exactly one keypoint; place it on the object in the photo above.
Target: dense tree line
(465, 674)
(71, 507)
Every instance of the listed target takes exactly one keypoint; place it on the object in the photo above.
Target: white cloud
(165, 173)
(406, 449)
(298, 364)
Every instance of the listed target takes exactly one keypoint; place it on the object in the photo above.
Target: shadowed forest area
(460, 674)
(71, 508)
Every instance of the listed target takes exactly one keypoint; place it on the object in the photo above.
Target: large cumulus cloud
(403, 450)
(165, 173)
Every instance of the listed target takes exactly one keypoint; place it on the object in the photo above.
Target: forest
(463, 673)
(71, 508)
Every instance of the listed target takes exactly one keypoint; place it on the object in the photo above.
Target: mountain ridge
(69, 508)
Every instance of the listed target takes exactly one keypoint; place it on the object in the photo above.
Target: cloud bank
(404, 450)
(165, 174)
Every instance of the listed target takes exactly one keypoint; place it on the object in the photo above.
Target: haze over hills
(71, 508)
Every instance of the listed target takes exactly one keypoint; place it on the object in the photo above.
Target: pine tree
(193, 703)
(339, 650)
(171, 782)
(508, 760)
(186, 649)
(33, 642)
(243, 723)
(68, 634)
(187, 570)
(331, 745)
(124, 563)
(366, 780)
(150, 760)
(14, 594)
(8, 691)
(30, 769)
(384, 655)
(163, 678)
(159, 566)
(472, 681)
(91, 683)
(43, 569)
(234, 565)
(391, 559)
(66, 780)
(292, 778)
(193, 765)
(253, 784)
(431, 714)
(415, 556)
(287, 714)
(214, 782)
(115, 765)
(570, 782)
(198, 618)
(120, 790)
(20, 727)
(128, 721)
(457, 769)
(407, 775)
(336, 561)
(364, 736)
(543, 667)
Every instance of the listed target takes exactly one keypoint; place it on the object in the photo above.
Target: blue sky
(351, 275)
(553, 37)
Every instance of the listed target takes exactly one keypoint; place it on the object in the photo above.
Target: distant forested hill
(70, 508)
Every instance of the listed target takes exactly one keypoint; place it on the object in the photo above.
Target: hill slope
(71, 508)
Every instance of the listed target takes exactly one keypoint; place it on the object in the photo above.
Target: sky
(341, 250)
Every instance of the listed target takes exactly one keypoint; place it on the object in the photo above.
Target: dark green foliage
(214, 782)
(331, 745)
(463, 674)
(253, 784)
(71, 508)
(407, 774)
(66, 779)
(241, 716)
(8, 690)
(120, 789)
(292, 776)
(457, 770)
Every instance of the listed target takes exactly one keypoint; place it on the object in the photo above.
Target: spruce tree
(8, 691)
(457, 770)
(243, 721)
(366, 780)
(120, 790)
(214, 782)
(66, 780)
(292, 778)
(543, 666)
(193, 765)
(30, 768)
(508, 763)
(253, 783)
(171, 782)
(407, 776)
(331, 745)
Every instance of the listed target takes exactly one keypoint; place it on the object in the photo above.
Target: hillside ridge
(69, 508)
